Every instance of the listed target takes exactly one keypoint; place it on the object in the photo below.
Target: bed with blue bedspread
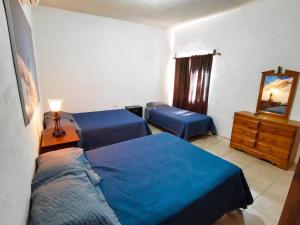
(183, 123)
(277, 109)
(97, 129)
(162, 179)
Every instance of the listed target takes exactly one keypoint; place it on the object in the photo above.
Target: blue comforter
(181, 122)
(108, 127)
(162, 179)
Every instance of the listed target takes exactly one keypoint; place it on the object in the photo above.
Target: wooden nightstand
(51, 143)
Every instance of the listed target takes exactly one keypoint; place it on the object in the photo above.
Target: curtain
(181, 83)
(192, 79)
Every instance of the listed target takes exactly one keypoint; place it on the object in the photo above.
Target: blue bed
(97, 129)
(162, 179)
(277, 109)
(183, 123)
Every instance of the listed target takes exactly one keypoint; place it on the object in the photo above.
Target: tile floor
(269, 185)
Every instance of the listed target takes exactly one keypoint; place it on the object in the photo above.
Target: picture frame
(276, 93)
(23, 57)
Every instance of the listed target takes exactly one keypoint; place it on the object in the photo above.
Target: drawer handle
(274, 142)
(242, 141)
(277, 130)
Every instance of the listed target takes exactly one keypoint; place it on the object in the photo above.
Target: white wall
(258, 37)
(96, 63)
(19, 144)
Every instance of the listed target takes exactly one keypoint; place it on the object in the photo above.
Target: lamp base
(58, 133)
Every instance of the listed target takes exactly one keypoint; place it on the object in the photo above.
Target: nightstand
(51, 143)
(136, 109)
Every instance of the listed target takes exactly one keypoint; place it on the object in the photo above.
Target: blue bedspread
(162, 179)
(181, 122)
(108, 127)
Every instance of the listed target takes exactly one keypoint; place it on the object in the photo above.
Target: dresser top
(269, 118)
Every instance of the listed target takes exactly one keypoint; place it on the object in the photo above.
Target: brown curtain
(181, 83)
(192, 79)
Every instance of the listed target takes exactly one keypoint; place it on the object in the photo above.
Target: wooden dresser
(265, 137)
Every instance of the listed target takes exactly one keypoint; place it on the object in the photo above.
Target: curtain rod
(213, 53)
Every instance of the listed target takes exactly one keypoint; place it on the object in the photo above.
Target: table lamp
(55, 106)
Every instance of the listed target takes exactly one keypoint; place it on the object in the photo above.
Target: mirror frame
(291, 73)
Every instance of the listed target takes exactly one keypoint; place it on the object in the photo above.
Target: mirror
(276, 94)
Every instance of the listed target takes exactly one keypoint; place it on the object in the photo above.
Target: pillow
(51, 164)
(71, 199)
(156, 105)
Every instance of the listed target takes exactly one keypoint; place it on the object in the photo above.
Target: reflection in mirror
(275, 95)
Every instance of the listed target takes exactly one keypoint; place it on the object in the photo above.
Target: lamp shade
(55, 104)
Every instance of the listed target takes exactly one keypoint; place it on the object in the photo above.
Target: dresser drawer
(239, 129)
(242, 140)
(250, 123)
(277, 129)
(251, 151)
(268, 149)
(276, 140)
(281, 163)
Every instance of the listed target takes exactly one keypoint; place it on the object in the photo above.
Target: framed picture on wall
(23, 57)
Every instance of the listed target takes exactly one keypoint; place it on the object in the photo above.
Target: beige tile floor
(269, 185)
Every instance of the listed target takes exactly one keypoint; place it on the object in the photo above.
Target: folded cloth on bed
(162, 179)
(67, 196)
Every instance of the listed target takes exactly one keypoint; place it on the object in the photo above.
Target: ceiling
(163, 13)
